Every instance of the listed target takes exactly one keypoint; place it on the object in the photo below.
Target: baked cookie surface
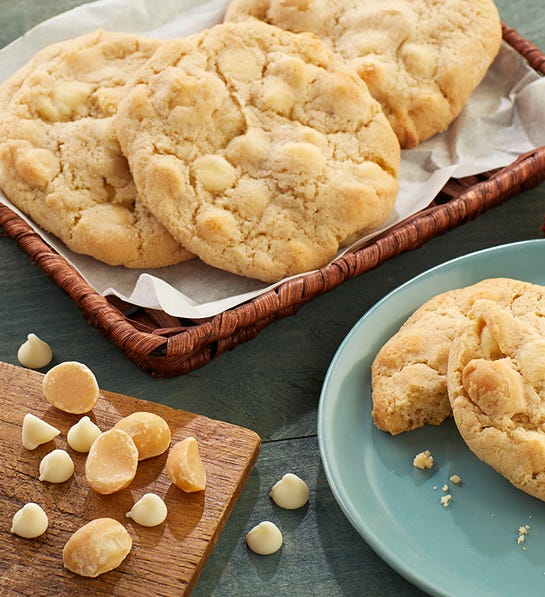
(257, 149)
(409, 373)
(420, 59)
(496, 386)
(60, 160)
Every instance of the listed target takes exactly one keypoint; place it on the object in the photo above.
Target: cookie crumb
(423, 460)
(445, 487)
(455, 479)
(445, 500)
(522, 532)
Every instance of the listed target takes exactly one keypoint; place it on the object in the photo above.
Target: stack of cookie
(421, 59)
(60, 160)
(477, 353)
(261, 145)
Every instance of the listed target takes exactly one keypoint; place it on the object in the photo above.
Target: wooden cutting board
(164, 560)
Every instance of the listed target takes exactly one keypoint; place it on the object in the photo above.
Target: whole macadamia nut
(149, 431)
(97, 547)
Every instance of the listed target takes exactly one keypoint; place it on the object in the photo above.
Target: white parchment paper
(504, 118)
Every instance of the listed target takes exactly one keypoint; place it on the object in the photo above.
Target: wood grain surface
(164, 560)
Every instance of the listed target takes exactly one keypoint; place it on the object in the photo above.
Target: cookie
(60, 160)
(496, 386)
(409, 373)
(257, 149)
(421, 60)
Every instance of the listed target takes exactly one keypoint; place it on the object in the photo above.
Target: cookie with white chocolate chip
(257, 149)
(60, 161)
(409, 373)
(421, 60)
(496, 387)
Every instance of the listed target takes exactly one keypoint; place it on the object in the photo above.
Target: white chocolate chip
(264, 539)
(56, 467)
(30, 521)
(81, 436)
(36, 432)
(149, 511)
(290, 492)
(34, 353)
(71, 387)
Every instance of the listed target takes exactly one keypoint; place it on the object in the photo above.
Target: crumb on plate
(423, 460)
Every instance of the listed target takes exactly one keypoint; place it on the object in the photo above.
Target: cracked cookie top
(257, 149)
(60, 160)
(420, 59)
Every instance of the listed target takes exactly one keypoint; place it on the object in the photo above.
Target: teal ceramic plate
(469, 547)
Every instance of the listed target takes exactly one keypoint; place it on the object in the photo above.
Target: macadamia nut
(149, 431)
(97, 547)
(81, 436)
(184, 466)
(265, 538)
(149, 511)
(112, 462)
(30, 521)
(36, 432)
(290, 492)
(34, 353)
(71, 387)
(56, 467)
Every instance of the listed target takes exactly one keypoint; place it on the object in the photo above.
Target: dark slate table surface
(270, 384)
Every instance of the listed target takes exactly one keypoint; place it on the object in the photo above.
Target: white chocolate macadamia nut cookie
(421, 60)
(71, 387)
(409, 373)
(496, 386)
(258, 149)
(97, 547)
(60, 160)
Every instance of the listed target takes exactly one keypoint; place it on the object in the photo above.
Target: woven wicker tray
(167, 346)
